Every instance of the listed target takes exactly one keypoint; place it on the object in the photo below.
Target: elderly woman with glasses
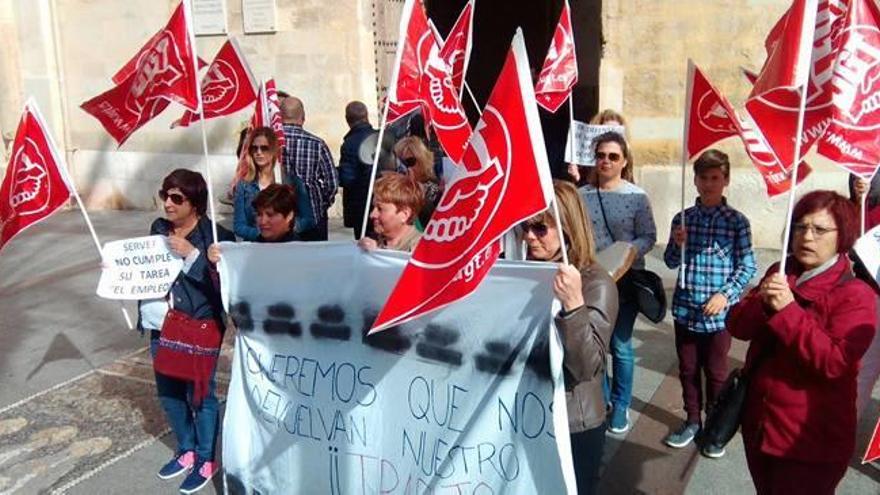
(808, 331)
(620, 211)
(589, 308)
(192, 410)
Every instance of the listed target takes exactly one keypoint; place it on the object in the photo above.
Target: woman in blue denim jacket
(196, 294)
(262, 156)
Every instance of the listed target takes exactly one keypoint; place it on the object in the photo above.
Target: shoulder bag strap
(604, 218)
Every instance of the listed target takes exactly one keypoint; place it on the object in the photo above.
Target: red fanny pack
(188, 350)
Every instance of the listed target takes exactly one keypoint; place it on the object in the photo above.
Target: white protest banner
(867, 250)
(139, 268)
(583, 142)
(459, 401)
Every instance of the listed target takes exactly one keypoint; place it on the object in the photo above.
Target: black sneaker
(712, 451)
(682, 436)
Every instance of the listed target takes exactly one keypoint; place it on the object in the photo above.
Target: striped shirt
(718, 259)
(307, 156)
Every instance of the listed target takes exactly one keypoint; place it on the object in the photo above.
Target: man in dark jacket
(355, 168)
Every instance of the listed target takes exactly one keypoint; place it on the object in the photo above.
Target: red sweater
(801, 399)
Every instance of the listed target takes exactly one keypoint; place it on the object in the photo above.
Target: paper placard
(139, 268)
(583, 142)
(259, 16)
(209, 17)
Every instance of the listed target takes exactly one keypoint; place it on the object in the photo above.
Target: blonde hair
(250, 168)
(423, 171)
(402, 192)
(577, 229)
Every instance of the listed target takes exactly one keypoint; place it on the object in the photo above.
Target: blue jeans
(195, 428)
(618, 387)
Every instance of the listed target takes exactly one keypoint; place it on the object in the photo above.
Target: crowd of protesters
(808, 329)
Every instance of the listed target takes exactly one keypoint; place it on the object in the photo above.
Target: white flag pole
(473, 99)
(187, 8)
(571, 126)
(62, 168)
(864, 208)
(684, 160)
(376, 154)
(794, 174)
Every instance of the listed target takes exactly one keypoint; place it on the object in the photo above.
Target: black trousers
(586, 453)
(318, 233)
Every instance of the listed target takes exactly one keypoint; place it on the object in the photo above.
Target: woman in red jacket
(808, 331)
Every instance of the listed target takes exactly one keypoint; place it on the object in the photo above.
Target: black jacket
(354, 174)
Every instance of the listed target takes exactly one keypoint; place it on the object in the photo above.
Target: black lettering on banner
(390, 339)
(240, 312)
(331, 323)
(437, 343)
(498, 359)
(279, 320)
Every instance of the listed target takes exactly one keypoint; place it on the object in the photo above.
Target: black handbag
(645, 286)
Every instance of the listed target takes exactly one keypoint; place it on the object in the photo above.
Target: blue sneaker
(618, 422)
(177, 466)
(200, 475)
(683, 436)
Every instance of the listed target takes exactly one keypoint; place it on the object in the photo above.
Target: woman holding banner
(620, 211)
(259, 172)
(808, 331)
(589, 309)
(190, 317)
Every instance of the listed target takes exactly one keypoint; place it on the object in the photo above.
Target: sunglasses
(537, 228)
(176, 198)
(611, 157)
(263, 148)
(410, 162)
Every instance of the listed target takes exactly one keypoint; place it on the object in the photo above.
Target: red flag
(852, 140)
(777, 177)
(790, 47)
(422, 76)
(873, 451)
(456, 49)
(36, 183)
(504, 179)
(560, 72)
(711, 118)
(399, 111)
(164, 72)
(227, 87)
(267, 112)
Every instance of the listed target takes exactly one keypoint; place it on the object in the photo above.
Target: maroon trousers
(780, 476)
(699, 354)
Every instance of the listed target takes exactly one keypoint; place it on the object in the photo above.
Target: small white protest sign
(583, 135)
(139, 268)
(867, 249)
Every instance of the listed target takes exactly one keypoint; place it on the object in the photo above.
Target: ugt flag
(504, 178)
(267, 113)
(165, 71)
(456, 49)
(228, 86)
(852, 139)
(560, 72)
(36, 182)
(710, 116)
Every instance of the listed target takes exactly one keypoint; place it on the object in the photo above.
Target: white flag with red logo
(504, 178)
(456, 49)
(228, 86)
(852, 139)
(710, 118)
(422, 76)
(560, 72)
(267, 113)
(36, 182)
(164, 71)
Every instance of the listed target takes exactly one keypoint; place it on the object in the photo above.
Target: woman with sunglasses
(808, 330)
(418, 163)
(620, 211)
(589, 308)
(259, 165)
(193, 417)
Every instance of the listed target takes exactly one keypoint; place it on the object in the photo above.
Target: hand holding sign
(139, 268)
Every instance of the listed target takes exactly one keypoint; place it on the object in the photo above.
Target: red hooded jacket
(801, 399)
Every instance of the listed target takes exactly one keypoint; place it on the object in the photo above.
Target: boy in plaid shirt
(719, 262)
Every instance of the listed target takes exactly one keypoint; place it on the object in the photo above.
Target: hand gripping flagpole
(794, 174)
(684, 159)
(62, 167)
(187, 9)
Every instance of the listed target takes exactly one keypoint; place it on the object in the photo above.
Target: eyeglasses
(801, 229)
(176, 198)
(537, 228)
(612, 157)
(263, 148)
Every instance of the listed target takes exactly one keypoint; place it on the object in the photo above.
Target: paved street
(78, 412)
